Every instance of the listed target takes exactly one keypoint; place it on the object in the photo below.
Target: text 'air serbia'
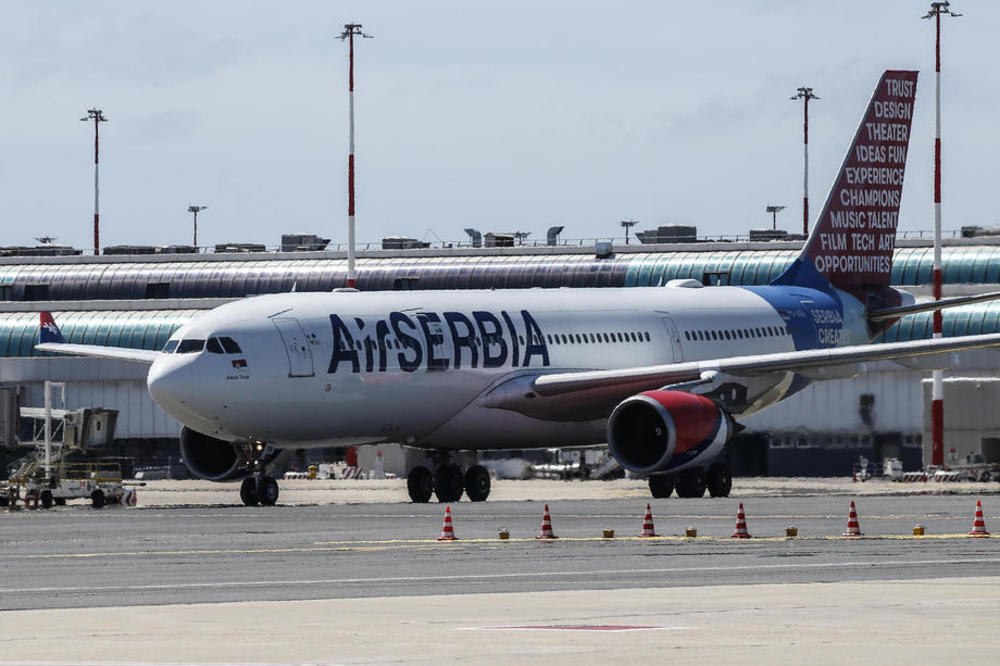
(660, 373)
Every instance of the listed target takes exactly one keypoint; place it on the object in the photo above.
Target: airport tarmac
(365, 580)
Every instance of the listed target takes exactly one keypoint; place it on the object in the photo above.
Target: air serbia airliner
(662, 374)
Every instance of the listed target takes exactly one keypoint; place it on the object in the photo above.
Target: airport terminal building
(139, 300)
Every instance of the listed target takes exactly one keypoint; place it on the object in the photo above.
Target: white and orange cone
(647, 524)
(546, 531)
(741, 525)
(979, 524)
(448, 530)
(853, 527)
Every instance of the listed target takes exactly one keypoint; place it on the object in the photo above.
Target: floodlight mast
(805, 94)
(774, 210)
(628, 224)
(196, 210)
(98, 117)
(350, 30)
(937, 388)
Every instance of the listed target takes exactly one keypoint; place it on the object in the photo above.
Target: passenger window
(214, 346)
(647, 336)
(230, 345)
(170, 347)
(190, 346)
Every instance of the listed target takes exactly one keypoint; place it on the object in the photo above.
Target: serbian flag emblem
(239, 363)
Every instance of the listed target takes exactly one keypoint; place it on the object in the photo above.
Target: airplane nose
(170, 385)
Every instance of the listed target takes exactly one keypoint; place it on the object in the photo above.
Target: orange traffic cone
(979, 525)
(647, 524)
(447, 531)
(546, 531)
(853, 527)
(741, 525)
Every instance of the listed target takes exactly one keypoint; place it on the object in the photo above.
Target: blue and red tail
(48, 331)
(851, 244)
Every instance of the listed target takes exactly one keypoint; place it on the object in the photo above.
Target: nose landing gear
(262, 490)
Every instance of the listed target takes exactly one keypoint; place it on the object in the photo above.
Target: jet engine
(666, 431)
(209, 458)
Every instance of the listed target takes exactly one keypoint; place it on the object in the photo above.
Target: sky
(500, 116)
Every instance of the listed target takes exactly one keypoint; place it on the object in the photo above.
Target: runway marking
(578, 627)
(561, 574)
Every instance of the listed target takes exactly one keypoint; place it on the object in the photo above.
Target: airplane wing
(121, 353)
(659, 375)
(593, 393)
(51, 339)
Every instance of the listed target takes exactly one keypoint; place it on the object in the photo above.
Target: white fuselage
(315, 369)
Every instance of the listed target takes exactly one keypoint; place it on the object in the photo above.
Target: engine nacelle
(666, 431)
(209, 458)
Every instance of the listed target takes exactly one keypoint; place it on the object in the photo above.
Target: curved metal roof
(235, 279)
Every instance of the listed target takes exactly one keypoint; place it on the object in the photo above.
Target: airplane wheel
(477, 483)
(449, 483)
(420, 485)
(720, 480)
(267, 491)
(691, 483)
(248, 491)
(97, 498)
(661, 485)
(46, 499)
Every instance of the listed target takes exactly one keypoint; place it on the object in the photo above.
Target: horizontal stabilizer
(903, 310)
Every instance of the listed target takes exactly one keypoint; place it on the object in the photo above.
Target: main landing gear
(448, 482)
(693, 482)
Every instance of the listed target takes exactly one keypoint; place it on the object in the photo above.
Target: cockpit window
(214, 346)
(170, 346)
(190, 346)
(230, 345)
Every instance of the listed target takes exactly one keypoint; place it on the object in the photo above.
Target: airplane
(661, 374)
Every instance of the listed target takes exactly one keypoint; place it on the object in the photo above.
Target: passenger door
(300, 360)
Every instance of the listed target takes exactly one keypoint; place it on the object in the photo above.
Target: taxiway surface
(162, 583)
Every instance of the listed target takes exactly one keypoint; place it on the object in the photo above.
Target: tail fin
(48, 331)
(852, 242)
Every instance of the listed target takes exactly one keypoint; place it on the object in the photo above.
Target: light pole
(196, 210)
(774, 210)
(350, 30)
(805, 94)
(628, 224)
(937, 389)
(98, 117)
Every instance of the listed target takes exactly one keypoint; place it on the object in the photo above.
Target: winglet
(48, 331)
